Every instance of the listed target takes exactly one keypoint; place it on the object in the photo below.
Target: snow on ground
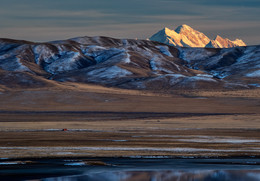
(230, 85)
(153, 63)
(189, 54)
(219, 140)
(220, 74)
(175, 78)
(205, 139)
(157, 63)
(68, 61)
(146, 52)
(100, 58)
(125, 42)
(176, 136)
(43, 52)
(250, 54)
(254, 74)
(89, 50)
(205, 75)
(12, 64)
(4, 46)
(21, 67)
(11, 60)
(200, 78)
(103, 55)
(127, 59)
(109, 73)
(164, 50)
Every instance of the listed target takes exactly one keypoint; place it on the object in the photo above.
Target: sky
(47, 20)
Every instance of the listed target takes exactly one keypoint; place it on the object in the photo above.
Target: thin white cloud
(38, 22)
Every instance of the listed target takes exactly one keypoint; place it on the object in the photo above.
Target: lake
(128, 169)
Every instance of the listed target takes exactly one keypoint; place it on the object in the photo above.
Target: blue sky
(47, 20)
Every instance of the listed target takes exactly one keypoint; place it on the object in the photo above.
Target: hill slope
(135, 64)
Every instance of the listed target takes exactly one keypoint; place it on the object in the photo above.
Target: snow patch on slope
(102, 54)
(153, 64)
(21, 67)
(44, 53)
(189, 54)
(66, 62)
(109, 73)
(175, 78)
(164, 50)
(254, 74)
(201, 78)
(13, 64)
(127, 59)
(156, 65)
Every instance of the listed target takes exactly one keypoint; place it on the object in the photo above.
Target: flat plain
(72, 120)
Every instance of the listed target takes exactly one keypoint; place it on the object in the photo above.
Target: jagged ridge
(185, 36)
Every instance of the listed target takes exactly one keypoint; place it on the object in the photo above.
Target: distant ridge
(127, 63)
(185, 36)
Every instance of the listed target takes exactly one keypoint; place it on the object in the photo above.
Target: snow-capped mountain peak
(185, 36)
(213, 43)
(239, 42)
(191, 37)
(220, 42)
(167, 36)
(182, 28)
(171, 33)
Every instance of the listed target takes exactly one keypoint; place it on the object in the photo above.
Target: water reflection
(131, 169)
(195, 175)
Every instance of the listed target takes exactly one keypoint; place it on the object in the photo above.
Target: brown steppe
(102, 121)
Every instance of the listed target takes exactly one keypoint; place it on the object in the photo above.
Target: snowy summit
(185, 36)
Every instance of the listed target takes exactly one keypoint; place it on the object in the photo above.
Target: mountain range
(185, 36)
(126, 63)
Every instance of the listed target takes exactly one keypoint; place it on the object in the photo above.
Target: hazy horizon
(54, 20)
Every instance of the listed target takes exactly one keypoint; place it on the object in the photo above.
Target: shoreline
(105, 168)
(143, 157)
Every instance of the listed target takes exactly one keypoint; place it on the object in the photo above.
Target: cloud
(221, 3)
(58, 19)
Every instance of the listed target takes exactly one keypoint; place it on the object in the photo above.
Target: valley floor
(94, 121)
